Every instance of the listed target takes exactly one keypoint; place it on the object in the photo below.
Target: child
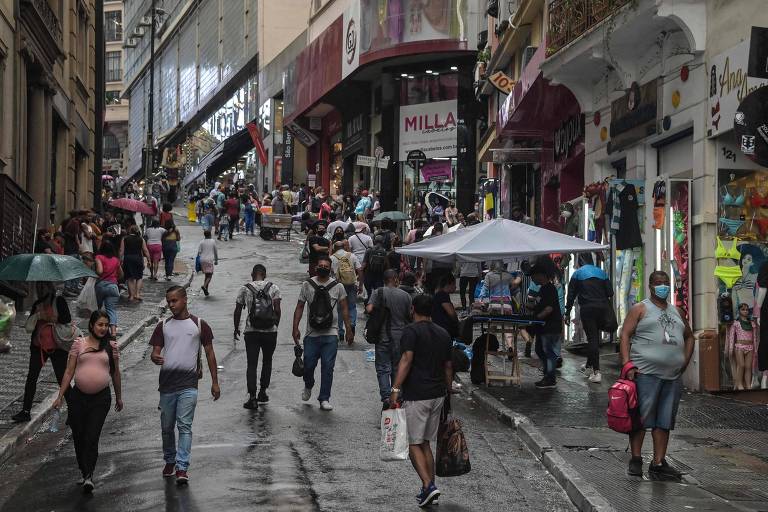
(223, 226)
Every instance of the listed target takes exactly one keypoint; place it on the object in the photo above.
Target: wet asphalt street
(288, 455)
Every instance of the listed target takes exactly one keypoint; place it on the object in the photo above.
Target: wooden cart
(277, 222)
(503, 326)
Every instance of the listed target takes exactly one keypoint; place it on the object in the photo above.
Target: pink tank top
(92, 370)
(110, 268)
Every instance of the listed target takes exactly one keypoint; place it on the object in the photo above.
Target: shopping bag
(304, 256)
(86, 302)
(452, 457)
(198, 265)
(394, 435)
(298, 362)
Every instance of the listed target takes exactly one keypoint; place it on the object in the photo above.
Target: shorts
(657, 400)
(422, 419)
(155, 252)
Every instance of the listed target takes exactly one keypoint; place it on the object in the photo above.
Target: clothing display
(623, 208)
(728, 275)
(659, 203)
(722, 252)
(762, 349)
(730, 200)
(731, 226)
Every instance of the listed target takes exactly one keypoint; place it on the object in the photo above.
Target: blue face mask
(661, 291)
(533, 287)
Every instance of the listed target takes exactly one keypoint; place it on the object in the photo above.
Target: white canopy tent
(498, 239)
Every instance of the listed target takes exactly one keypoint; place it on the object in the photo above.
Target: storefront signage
(350, 47)
(751, 126)
(569, 133)
(287, 171)
(306, 137)
(634, 116)
(729, 156)
(372, 161)
(502, 82)
(729, 84)
(354, 135)
(429, 127)
(436, 170)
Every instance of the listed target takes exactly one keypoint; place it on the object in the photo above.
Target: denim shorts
(658, 400)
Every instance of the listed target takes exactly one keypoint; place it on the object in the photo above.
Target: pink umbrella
(133, 205)
(107, 177)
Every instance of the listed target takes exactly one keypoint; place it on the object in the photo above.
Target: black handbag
(611, 323)
(298, 362)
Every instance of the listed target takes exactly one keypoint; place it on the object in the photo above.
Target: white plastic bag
(394, 435)
(86, 302)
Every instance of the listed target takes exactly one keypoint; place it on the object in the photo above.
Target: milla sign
(429, 127)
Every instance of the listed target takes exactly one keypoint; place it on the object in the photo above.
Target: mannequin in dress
(741, 346)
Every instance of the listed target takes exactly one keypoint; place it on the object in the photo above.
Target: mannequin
(741, 346)
(762, 352)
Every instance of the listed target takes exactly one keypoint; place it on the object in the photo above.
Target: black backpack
(377, 261)
(321, 309)
(261, 314)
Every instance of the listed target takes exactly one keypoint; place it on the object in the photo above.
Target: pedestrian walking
(323, 295)
(469, 274)
(209, 257)
(592, 288)
(387, 350)
(318, 246)
(424, 376)
(443, 311)
(93, 361)
(249, 215)
(171, 241)
(154, 236)
(374, 264)
(347, 270)
(133, 253)
(177, 343)
(166, 216)
(261, 300)
(658, 341)
(409, 284)
(232, 206)
(110, 272)
(360, 242)
(48, 314)
(550, 335)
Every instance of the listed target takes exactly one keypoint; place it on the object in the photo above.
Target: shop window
(113, 26)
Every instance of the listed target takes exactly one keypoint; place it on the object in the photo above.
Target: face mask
(323, 271)
(565, 214)
(535, 288)
(661, 291)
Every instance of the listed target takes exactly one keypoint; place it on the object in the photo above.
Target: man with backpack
(324, 295)
(347, 270)
(374, 265)
(261, 298)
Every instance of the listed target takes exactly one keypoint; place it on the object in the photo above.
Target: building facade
(116, 107)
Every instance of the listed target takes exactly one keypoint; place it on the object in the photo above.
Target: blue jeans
(322, 348)
(249, 218)
(177, 410)
(548, 350)
(107, 294)
(658, 400)
(351, 307)
(387, 359)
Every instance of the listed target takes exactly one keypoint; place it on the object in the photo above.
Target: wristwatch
(396, 390)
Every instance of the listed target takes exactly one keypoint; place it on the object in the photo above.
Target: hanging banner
(253, 130)
(429, 127)
(436, 170)
(287, 163)
(350, 47)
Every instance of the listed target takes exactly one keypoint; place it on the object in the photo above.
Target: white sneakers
(306, 394)
(325, 405)
(595, 378)
(586, 370)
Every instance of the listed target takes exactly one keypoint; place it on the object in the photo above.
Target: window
(114, 72)
(113, 25)
(111, 146)
(82, 41)
(112, 98)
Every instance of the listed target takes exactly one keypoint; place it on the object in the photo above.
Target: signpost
(371, 161)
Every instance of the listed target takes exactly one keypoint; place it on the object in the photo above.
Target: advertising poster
(429, 127)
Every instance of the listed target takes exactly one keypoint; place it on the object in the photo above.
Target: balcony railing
(569, 19)
(47, 17)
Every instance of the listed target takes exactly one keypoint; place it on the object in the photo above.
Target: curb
(21, 434)
(582, 493)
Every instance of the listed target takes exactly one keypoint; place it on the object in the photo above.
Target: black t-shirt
(628, 234)
(440, 317)
(431, 347)
(317, 240)
(553, 324)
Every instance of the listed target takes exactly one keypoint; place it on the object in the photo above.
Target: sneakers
(546, 383)
(428, 495)
(251, 403)
(596, 378)
(664, 470)
(586, 370)
(262, 397)
(169, 469)
(21, 416)
(88, 485)
(181, 477)
(306, 394)
(635, 466)
(325, 405)
(205, 290)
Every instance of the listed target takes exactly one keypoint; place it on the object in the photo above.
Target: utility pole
(149, 149)
(98, 125)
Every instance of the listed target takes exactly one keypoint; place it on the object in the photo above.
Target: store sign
(729, 84)
(288, 149)
(311, 179)
(751, 126)
(429, 127)
(567, 135)
(729, 156)
(502, 82)
(350, 48)
(634, 116)
(354, 135)
(436, 170)
(372, 161)
(306, 137)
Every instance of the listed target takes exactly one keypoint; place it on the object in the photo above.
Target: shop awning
(222, 156)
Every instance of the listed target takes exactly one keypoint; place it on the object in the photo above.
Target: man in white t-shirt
(359, 243)
(347, 269)
(261, 300)
(321, 340)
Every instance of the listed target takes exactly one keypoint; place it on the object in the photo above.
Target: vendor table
(502, 325)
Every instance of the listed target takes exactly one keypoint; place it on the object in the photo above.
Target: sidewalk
(132, 318)
(719, 444)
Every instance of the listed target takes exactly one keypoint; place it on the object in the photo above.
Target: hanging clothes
(623, 207)
(659, 203)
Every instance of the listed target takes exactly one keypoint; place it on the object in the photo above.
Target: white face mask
(565, 214)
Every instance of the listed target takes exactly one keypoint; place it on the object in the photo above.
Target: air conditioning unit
(139, 32)
(528, 55)
(131, 42)
(145, 21)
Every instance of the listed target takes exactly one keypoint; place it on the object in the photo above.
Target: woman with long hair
(171, 241)
(133, 252)
(107, 293)
(93, 361)
(154, 235)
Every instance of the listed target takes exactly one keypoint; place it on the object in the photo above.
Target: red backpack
(622, 413)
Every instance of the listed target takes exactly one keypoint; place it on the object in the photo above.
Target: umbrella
(107, 177)
(497, 239)
(133, 205)
(428, 232)
(393, 216)
(43, 267)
